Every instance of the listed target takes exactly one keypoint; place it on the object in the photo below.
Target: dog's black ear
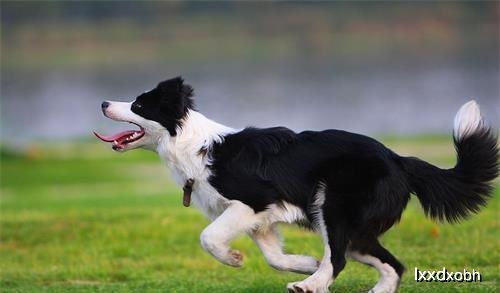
(176, 86)
(176, 94)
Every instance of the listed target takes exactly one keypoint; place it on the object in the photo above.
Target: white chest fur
(182, 156)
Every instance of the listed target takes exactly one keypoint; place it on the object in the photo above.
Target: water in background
(384, 90)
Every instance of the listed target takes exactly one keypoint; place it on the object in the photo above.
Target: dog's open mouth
(120, 140)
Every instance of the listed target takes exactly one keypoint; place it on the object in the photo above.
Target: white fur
(316, 208)
(284, 213)
(389, 279)
(320, 281)
(237, 219)
(181, 154)
(267, 238)
(269, 242)
(467, 120)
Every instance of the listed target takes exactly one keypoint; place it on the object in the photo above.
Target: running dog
(348, 187)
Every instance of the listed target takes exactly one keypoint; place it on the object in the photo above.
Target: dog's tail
(453, 194)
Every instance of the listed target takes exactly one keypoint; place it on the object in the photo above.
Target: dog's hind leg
(237, 219)
(372, 253)
(333, 229)
(269, 242)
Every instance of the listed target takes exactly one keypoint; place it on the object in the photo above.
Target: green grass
(79, 218)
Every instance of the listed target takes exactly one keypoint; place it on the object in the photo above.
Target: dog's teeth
(115, 142)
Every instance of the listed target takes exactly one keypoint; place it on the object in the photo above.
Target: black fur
(455, 193)
(166, 104)
(264, 166)
(367, 186)
(365, 244)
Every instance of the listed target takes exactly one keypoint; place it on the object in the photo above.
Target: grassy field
(79, 218)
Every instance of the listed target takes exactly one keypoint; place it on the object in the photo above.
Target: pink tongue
(116, 137)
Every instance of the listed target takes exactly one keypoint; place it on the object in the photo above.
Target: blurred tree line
(63, 32)
(16, 12)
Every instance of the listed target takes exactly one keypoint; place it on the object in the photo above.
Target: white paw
(235, 258)
(384, 288)
(305, 287)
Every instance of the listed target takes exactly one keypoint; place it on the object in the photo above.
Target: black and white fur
(348, 187)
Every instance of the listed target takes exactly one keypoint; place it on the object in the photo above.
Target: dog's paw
(386, 288)
(235, 258)
(296, 288)
(305, 287)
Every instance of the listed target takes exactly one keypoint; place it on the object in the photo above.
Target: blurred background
(371, 67)
(77, 217)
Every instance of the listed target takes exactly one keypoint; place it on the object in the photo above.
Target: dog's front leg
(237, 219)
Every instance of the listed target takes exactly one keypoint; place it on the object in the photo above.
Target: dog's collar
(188, 189)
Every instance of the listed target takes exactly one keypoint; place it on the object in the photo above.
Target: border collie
(348, 187)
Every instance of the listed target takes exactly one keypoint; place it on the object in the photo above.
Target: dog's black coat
(276, 164)
(366, 185)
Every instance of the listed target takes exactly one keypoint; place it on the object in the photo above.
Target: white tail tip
(467, 121)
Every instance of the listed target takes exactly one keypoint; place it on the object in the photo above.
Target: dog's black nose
(104, 105)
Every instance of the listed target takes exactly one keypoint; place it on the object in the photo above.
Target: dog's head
(157, 113)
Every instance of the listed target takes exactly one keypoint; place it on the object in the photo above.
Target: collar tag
(188, 189)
